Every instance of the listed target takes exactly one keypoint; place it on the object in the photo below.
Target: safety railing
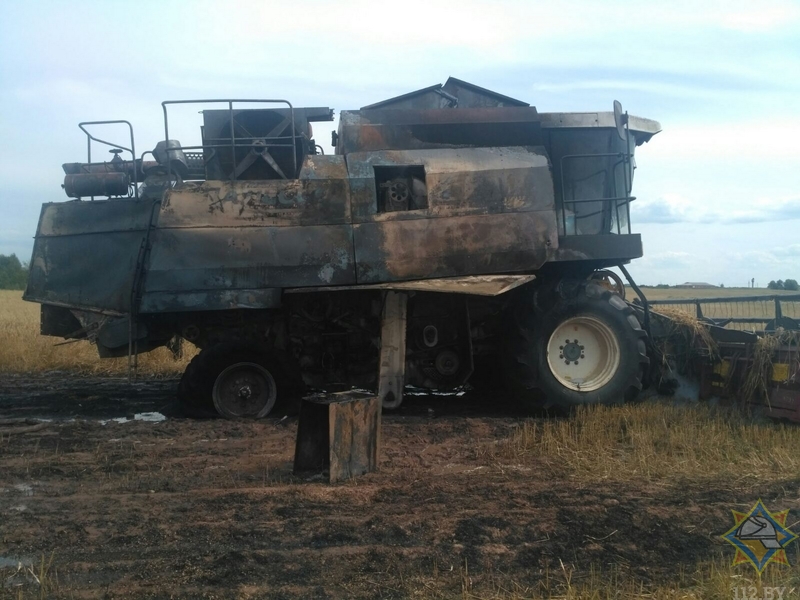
(608, 205)
(740, 312)
(234, 142)
(90, 138)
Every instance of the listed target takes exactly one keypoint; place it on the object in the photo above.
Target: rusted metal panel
(490, 210)
(469, 94)
(319, 196)
(476, 285)
(218, 242)
(643, 129)
(59, 321)
(96, 184)
(157, 302)
(784, 403)
(429, 97)
(454, 93)
(422, 248)
(100, 216)
(384, 129)
(85, 254)
(466, 181)
(201, 260)
(467, 117)
(602, 247)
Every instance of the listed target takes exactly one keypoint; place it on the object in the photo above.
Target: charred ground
(188, 508)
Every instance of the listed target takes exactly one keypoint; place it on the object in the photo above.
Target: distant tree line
(789, 284)
(13, 274)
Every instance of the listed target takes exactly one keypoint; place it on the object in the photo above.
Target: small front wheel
(244, 390)
(235, 381)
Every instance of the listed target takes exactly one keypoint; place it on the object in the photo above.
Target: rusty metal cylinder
(96, 184)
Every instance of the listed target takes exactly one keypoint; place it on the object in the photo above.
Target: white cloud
(672, 208)
(791, 251)
(474, 23)
(670, 259)
(742, 139)
(750, 16)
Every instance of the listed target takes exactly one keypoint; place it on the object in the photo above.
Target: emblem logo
(760, 537)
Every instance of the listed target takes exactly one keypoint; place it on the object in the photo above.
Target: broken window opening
(401, 188)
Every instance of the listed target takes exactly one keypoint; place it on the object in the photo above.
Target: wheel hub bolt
(245, 392)
(571, 352)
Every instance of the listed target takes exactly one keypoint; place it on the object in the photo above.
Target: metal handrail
(132, 149)
(625, 158)
(232, 145)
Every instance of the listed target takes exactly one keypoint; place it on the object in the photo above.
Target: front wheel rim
(583, 353)
(244, 390)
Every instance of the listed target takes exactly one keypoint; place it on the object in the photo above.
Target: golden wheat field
(23, 349)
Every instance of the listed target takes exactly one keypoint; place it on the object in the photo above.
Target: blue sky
(718, 190)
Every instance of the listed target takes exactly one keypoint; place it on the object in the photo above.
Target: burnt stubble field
(102, 498)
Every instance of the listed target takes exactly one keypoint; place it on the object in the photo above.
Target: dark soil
(210, 509)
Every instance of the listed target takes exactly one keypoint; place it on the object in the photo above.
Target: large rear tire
(578, 343)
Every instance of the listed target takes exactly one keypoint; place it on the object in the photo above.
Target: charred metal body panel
(85, 254)
(602, 249)
(478, 285)
(221, 245)
(415, 129)
(489, 210)
(454, 93)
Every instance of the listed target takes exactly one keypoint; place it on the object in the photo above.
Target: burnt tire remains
(582, 344)
(244, 389)
(231, 381)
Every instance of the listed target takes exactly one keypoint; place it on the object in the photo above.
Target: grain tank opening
(401, 188)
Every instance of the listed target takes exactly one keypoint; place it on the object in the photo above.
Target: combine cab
(453, 230)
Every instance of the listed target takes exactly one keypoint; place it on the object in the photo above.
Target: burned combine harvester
(453, 230)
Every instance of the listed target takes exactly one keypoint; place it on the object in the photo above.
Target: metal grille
(244, 144)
